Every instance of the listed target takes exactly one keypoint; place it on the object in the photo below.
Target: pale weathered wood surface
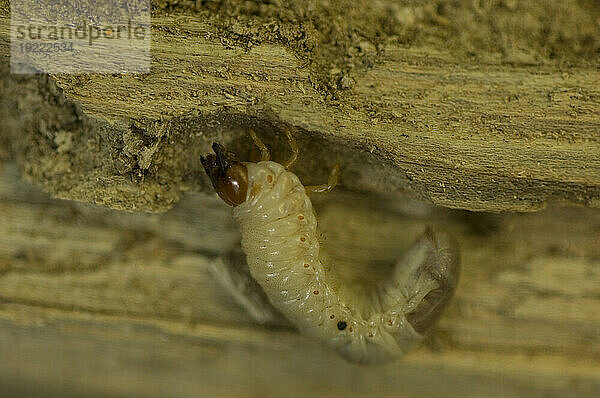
(484, 107)
(479, 105)
(97, 302)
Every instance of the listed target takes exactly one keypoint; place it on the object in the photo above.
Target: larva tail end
(444, 267)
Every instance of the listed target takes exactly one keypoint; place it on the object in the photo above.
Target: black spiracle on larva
(279, 237)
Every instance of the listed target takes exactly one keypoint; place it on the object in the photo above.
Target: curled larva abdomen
(279, 236)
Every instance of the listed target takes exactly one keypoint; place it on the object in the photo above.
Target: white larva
(279, 236)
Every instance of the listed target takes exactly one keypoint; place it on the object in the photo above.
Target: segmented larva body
(279, 236)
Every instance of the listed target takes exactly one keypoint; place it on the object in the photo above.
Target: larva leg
(294, 147)
(264, 151)
(331, 183)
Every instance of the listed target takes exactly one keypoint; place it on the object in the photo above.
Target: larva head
(228, 175)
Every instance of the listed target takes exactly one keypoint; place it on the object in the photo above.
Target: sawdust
(339, 40)
(144, 164)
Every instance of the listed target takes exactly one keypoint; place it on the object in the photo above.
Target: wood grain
(422, 121)
(492, 107)
(101, 302)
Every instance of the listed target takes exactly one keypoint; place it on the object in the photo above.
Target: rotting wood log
(491, 106)
(97, 302)
(508, 129)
